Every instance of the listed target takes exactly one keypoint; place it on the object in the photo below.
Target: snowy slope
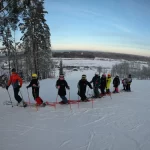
(120, 123)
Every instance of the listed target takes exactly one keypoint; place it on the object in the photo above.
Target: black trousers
(82, 95)
(17, 97)
(128, 88)
(102, 90)
(35, 92)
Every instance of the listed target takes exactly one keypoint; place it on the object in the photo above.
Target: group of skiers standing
(103, 83)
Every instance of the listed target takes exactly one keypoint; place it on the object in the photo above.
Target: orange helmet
(109, 75)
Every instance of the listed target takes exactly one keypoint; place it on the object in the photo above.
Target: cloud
(121, 28)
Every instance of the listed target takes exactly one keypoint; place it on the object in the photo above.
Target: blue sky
(107, 25)
(110, 25)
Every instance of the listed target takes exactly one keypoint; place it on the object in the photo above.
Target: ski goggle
(61, 77)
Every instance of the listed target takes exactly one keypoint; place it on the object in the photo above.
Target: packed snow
(120, 123)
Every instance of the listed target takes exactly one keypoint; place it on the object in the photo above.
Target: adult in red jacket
(14, 81)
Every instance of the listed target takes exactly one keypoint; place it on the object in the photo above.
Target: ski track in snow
(64, 143)
(90, 140)
(125, 118)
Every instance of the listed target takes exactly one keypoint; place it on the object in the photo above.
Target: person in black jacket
(96, 83)
(82, 84)
(116, 83)
(61, 85)
(34, 83)
(129, 81)
(103, 84)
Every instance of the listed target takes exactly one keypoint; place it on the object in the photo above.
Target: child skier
(82, 84)
(61, 85)
(108, 82)
(129, 80)
(124, 83)
(14, 79)
(103, 84)
(34, 83)
(96, 84)
(116, 83)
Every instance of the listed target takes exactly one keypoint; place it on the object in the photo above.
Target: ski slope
(120, 123)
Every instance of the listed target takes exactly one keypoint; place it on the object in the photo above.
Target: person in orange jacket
(14, 81)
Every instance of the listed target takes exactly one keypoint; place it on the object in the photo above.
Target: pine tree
(37, 33)
(29, 16)
(61, 67)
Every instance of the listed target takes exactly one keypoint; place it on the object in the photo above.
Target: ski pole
(78, 101)
(28, 96)
(110, 95)
(69, 100)
(87, 90)
(56, 98)
(21, 95)
(10, 98)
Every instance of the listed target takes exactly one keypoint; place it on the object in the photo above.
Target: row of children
(102, 83)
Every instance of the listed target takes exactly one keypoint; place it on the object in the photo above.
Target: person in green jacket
(108, 82)
(96, 85)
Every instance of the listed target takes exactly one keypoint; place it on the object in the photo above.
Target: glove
(19, 86)
(7, 87)
(58, 87)
(27, 87)
(34, 85)
(68, 87)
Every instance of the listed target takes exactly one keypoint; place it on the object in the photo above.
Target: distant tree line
(135, 69)
(92, 55)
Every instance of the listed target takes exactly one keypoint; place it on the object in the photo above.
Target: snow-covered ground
(120, 123)
(103, 62)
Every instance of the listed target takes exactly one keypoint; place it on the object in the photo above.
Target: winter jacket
(116, 82)
(108, 82)
(82, 84)
(63, 85)
(124, 81)
(96, 81)
(34, 84)
(15, 80)
(103, 82)
(129, 80)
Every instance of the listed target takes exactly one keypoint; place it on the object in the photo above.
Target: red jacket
(15, 80)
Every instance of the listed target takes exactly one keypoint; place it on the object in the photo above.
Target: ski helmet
(109, 75)
(104, 75)
(34, 75)
(13, 70)
(96, 73)
(61, 76)
(83, 76)
(117, 75)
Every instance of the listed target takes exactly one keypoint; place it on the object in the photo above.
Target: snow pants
(103, 90)
(35, 92)
(64, 99)
(16, 95)
(128, 88)
(96, 92)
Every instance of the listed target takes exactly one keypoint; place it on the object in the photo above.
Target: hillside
(90, 54)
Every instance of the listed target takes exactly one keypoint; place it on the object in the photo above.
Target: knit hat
(83, 76)
(61, 76)
(13, 70)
